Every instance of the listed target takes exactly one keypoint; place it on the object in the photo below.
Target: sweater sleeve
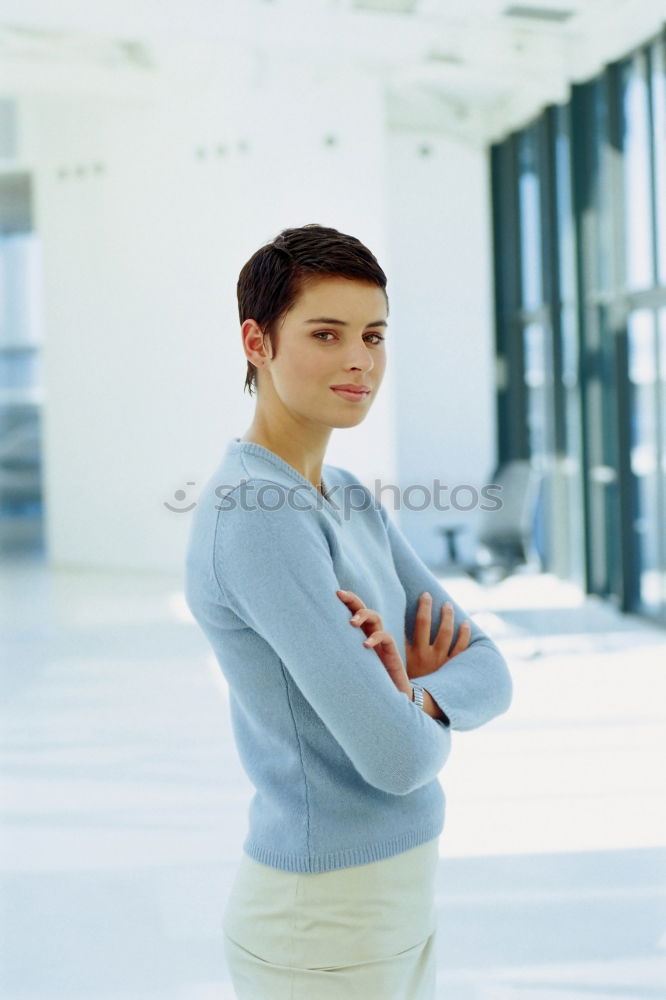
(275, 571)
(475, 685)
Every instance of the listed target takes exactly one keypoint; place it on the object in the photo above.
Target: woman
(334, 895)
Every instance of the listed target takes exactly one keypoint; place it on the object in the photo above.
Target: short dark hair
(276, 274)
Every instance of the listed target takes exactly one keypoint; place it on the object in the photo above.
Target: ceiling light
(387, 6)
(552, 14)
(446, 58)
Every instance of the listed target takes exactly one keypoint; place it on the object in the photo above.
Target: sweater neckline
(252, 448)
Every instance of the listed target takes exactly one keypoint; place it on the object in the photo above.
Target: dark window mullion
(581, 196)
(551, 278)
(512, 406)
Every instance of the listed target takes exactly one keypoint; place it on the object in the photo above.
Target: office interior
(507, 166)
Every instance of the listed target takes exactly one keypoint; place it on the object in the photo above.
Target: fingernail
(426, 595)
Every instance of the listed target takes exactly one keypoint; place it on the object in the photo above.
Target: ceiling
(476, 69)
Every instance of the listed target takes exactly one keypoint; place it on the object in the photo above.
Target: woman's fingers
(371, 623)
(385, 646)
(385, 638)
(362, 616)
(422, 623)
(352, 600)
(387, 650)
(462, 641)
(445, 631)
(365, 618)
(366, 615)
(368, 620)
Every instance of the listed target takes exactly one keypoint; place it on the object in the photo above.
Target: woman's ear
(254, 342)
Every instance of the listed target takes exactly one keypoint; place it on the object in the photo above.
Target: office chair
(506, 535)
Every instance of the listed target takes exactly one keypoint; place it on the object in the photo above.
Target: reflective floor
(124, 805)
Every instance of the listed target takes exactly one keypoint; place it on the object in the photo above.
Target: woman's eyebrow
(342, 322)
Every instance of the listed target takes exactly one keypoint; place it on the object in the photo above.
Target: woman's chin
(348, 419)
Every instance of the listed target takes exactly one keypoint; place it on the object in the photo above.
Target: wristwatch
(417, 695)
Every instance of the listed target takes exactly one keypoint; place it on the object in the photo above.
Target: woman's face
(333, 335)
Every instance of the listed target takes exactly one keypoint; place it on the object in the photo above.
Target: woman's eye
(327, 333)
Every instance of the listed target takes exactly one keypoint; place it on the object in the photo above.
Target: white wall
(143, 237)
(440, 290)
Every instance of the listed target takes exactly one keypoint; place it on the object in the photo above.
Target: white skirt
(362, 933)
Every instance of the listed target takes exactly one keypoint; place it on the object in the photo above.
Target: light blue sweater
(344, 765)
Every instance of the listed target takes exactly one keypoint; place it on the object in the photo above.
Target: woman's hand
(422, 657)
(382, 642)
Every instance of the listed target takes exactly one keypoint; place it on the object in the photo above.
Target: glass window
(582, 204)
(537, 376)
(604, 242)
(662, 440)
(565, 227)
(569, 336)
(530, 220)
(644, 418)
(20, 368)
(637, 181)
(659, 138)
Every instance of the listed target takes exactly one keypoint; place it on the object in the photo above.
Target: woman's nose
(361, 358)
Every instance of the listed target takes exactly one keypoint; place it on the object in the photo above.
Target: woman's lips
(354, 397)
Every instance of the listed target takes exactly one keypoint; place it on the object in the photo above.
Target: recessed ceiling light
(387, 6)
(448, 58)
(552, 14)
